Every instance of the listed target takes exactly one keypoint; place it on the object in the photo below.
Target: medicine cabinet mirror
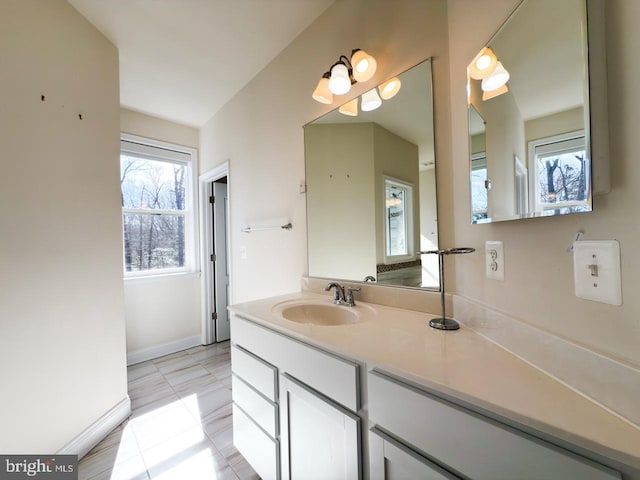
(530, 142)
(371, 190)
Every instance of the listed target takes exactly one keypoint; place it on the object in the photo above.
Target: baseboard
(150, 353)
(96, 432)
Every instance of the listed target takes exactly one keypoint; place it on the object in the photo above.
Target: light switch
(596, 271)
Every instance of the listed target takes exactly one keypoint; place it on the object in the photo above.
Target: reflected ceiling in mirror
(529, 138)
(371, 188)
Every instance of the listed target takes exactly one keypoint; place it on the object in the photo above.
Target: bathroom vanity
(378, 394)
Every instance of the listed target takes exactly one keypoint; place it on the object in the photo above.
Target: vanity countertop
(465, 366)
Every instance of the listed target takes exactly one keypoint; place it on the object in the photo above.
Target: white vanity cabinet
(295, 406)
(426, 432)
(320, 438)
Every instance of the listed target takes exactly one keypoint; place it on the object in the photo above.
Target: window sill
(158, 277)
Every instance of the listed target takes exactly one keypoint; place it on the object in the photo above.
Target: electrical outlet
(494, 259)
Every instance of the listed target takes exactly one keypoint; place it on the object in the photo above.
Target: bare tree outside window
(562, 179)
(153, 202)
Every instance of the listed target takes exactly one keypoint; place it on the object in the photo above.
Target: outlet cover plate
(494, 259)
(596, 271)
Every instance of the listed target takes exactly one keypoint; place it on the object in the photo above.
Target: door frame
(206, 239)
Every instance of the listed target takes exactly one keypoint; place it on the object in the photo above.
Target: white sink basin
(322, 314)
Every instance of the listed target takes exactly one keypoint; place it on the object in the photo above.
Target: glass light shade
(483, 65)
(370, 101)
(350, 108)
(322, 93)
(390, 88)
(498, 78)
(339, 83)
(364, 66)
(494, 93)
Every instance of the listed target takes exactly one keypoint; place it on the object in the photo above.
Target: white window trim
(483, 165)
(534, 184)
(184, 155)
(390, 259)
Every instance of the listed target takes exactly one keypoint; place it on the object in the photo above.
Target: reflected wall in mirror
(529, 138)
(371, 189)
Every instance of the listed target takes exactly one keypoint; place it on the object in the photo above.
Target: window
(479, 184)
(157, 208)
(398, 220)
(562, 174)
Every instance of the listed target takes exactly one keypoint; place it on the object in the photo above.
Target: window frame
(408, 227)
(479, 162)
(151, 149)
(534, 186)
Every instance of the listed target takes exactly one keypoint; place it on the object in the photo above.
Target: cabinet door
(391, 460)
(320, 439)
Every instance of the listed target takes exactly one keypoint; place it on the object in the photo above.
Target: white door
(391, 460)
(220, 265)
(320, 439)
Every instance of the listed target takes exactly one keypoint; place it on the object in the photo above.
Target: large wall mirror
(371, 189)
(529, 138)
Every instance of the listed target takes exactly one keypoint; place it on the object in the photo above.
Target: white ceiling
(182, 60)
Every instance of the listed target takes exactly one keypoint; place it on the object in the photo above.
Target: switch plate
(596, 271)
(243, 252)
(494, 259)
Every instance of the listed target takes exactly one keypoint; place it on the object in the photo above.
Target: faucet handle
(349, 299)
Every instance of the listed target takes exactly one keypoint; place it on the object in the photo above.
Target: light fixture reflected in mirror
(494, 93)
(390, 88)
(350, 108)
(483, 65)
(497, 79)
(370, 100)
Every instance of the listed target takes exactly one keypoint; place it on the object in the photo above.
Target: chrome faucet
(338, 294)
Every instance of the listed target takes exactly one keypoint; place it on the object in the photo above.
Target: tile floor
(181, 426)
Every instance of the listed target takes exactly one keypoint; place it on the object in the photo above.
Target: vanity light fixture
(364, 65)
(497, 79)
(340, 79)
(390, 88)
(350, 108)
(344, 73)
(370, 100)
(322, 93)
(483, 65)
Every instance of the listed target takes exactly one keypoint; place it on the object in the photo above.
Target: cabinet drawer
(261, 410)
(257, 373)
(256, 447)
(466, 442)
(391, 460)
(335, 377)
